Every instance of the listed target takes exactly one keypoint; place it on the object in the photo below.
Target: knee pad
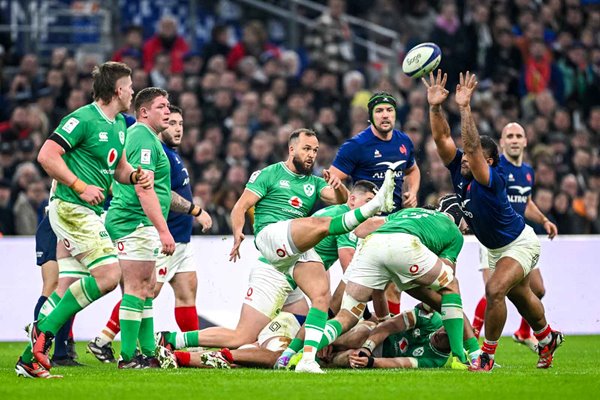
(444, 278)
(355, 307)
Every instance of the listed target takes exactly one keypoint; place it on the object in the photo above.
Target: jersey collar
(110, 121)
(289, 171)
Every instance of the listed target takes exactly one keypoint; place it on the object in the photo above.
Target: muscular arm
(440, 131)
(341, 175)
(50, 158)
(472, 145)
(180, 204)
(123, 170)
(369, 226)
(238, 213)
(396, 362)
(412, 179)
(391, 326)
(329, 195)
(533, 213)
(151, 206)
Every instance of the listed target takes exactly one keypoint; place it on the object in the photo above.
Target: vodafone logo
(162, 271)
(120, 246)
(249, 293)
(414, 269)
(295, 202)
(67, 244)
(112, 157)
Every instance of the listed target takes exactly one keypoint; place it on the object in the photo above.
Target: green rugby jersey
(408, 343)
(435, 230)
(96, 146)
(284, 195)
(125, 214)
(327, 248)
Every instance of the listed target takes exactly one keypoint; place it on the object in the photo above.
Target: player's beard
(384, 131)
(301, 168)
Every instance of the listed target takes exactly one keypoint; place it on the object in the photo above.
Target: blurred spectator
(8, 160)
(540, 72)
(29, 207)
(254, 43)
(25, 173)
(134, 40)
(7, 226)
(17, 127)
(166, 40)
(562, 213)
(218, 44)
(586, 209)
(544, 200)
(161, 70)
(504, 62)
(329, 41)
(418, 22)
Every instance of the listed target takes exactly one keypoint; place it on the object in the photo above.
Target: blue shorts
(45, 242)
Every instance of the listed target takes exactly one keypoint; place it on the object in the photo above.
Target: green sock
(471, 346)
(333, 329)
(78, 296)
(191, 339)
(46, 309)
(346, 222)
(452, 319)
(296, 345)
(146, 335)
(130, 318)
(314, 326)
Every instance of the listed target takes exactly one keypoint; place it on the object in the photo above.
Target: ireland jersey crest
(309, 189)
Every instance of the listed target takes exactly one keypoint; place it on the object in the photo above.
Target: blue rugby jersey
(180, 225)
(487, 210)
(519, 183)
(367, 157)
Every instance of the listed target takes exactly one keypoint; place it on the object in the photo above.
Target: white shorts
(71, 268)
(143, 244)
(181, 261)
(275, 244)
(397, 257)
(525, 249)
(82, 231)
(279, 332)
(484, 262)
(269, 290)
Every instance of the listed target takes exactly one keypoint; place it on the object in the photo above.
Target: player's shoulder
(361, 138)
(83, 114)
(400, 135)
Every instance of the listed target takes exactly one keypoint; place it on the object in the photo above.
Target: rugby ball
(421, 60)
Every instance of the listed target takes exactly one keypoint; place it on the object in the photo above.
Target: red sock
(524, 331)
(543, 334)
(394, 307)
(113, 323)
(479, 315)
(183, 358)
(71, 331)
(489, 347)
(187, 318)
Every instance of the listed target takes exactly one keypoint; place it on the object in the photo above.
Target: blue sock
(62, 336)
(38, 307)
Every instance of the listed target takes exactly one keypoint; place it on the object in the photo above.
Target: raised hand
(436, 88)
(465, 89)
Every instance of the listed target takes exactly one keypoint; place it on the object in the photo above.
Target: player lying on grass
(262, 353)
(413, 339)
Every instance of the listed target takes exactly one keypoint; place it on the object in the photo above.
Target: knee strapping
(354, 306)
(444, 278)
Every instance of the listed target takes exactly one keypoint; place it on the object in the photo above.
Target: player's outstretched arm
(238, 218)
(470, 135)
(436, 95)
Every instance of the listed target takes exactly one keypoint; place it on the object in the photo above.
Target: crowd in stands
(537, 62)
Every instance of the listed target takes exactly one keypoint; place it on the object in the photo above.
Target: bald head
(513, 142)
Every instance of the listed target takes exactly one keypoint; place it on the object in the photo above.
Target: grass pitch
(575, 375)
